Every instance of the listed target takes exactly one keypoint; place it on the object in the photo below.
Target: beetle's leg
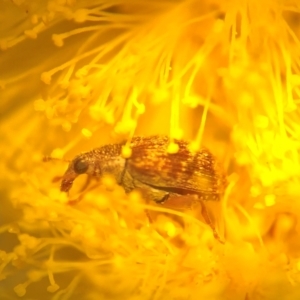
(149, 194)
(187, 202)
(176, 201)
(209, 222)
(163, 199)
(156, 196)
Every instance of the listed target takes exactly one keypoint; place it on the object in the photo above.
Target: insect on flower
(161, 176)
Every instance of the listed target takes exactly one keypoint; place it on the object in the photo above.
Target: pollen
(34, 275)
(108, 181)
(20, 290)
(173, 148)
(57, 153)
(52, 288)
(40, 105)
(171, 229)
(86, 132)
(270, 200)
(298, 265)
(126, 151)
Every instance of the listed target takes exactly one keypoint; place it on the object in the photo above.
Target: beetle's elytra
(150, 168)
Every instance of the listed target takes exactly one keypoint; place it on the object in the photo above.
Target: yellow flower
(78, 74)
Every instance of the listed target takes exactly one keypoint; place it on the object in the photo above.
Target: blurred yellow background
(75, 75)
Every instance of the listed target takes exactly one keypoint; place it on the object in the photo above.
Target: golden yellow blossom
(75, 75)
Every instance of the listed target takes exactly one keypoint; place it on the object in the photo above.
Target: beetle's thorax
(108, 160)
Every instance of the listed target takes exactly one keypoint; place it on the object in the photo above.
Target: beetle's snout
(67, 180)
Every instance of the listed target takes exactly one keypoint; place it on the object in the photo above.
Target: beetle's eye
(81, 166)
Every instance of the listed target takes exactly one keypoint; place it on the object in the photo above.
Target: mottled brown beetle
(160, 175)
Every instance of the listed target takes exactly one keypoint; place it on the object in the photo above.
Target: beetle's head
(81, 164)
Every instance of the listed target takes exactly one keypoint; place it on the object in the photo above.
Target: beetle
(161, 176)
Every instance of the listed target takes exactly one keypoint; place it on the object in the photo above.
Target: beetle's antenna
(50, 158)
